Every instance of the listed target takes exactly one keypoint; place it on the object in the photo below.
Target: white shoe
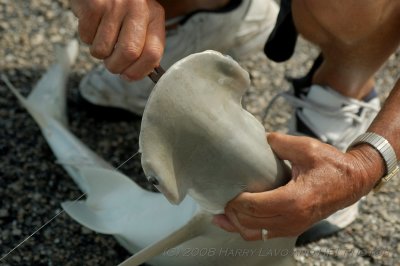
(323, 113)
(236, 32)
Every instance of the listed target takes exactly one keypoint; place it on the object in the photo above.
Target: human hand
(324, 180)
(129, 35)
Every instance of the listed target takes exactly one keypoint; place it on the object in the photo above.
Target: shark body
(145, 223)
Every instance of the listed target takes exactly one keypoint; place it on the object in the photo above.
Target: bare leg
(355, 37)
(175, 8)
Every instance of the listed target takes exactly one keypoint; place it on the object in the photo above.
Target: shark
(198, 146)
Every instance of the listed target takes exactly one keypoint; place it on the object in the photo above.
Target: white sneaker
(331, 117)
(236, 32)
(323, 113)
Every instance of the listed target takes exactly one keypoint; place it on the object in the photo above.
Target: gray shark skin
(143, 222)
(196, 138)
(197, 141)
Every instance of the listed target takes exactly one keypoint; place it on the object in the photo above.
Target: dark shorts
(282, 41)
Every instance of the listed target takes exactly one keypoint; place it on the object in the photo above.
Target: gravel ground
(32, 185)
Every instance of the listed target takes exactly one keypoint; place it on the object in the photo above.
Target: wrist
(368, 164)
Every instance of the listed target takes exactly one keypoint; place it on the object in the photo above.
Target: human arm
(324, 180)
(129, 35)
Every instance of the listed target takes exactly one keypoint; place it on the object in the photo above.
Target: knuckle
(312, 145)
(154, 55)
(313, 149)
(96, 4)
(141, 2)
(252, 206)
(272, 137)
(85, 37)
(111, 67)
(117, 3)
(90, 10)
(133, 75)
(130, 52)
(99, 51)
(158, 10)
(138, 5)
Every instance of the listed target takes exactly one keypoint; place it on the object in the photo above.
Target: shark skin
(115, 205)
(197, 141)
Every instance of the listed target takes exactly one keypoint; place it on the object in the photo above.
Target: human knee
(343, 20)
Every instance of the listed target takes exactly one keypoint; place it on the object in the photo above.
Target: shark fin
(51, 88)
(108, 196)
(193, 228)
(88, 217)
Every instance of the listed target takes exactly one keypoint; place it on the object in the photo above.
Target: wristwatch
(385, 150)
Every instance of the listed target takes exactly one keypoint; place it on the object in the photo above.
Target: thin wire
(49, 221)
(55, 216)
(127, 160)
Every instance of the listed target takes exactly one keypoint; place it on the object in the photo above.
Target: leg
(355, 37)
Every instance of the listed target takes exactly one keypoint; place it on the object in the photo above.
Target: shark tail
(48, 97)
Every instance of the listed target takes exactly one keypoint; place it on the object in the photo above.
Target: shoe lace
(349, 110)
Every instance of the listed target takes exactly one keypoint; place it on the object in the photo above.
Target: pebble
(33, 186)
(3, 213)
(16, 232)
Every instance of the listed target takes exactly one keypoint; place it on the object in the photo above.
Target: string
(55, 216)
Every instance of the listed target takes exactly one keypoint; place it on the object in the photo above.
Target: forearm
(386, 124)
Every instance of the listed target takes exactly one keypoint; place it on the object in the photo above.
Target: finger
(289, 147)
(222, 221)
(87, 29)
(249, 234)
(277, 227)
(277, 233)
(152, 51)
(107, 34)
(89, 18)
(246, 233)
(131, 40)
(263, 204)
(251, 222)
(77, 7)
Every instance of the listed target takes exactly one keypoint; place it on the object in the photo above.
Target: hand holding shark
(323, 178)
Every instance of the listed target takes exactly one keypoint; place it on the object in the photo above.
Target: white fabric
(238, 32)
(335, 119)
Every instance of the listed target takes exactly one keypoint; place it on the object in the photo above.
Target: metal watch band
(385, 150)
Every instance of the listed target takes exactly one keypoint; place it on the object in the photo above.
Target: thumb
(288, 147)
